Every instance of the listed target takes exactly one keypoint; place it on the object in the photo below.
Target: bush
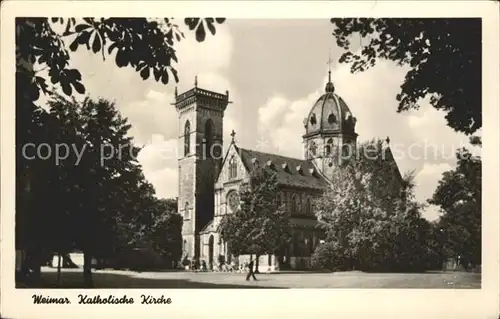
(329, 256)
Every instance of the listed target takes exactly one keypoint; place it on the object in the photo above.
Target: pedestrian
(250, 271)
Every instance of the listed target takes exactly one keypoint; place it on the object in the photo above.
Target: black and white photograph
(163, 153)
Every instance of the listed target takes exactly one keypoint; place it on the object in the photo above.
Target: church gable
(389, 157)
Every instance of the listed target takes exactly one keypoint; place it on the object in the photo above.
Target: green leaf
(66, 87)
(121, 58)
(96, 45)
(79, 87)
(74, 45)
(157, 73)
(164, 77)
(79, 28)
(145, 73)
(200, 33)
(174, 73)
(73, 74)
(89, 20)
(211, 28)
(84, 37)
(112, 47)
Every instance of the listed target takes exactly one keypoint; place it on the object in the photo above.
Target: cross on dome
(329, 86)
(330, 61)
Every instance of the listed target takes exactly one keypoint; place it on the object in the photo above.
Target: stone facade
(201, 115)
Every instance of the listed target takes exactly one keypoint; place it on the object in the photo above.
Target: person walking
(250, 271)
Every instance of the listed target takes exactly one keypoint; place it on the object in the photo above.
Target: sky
(274, 71)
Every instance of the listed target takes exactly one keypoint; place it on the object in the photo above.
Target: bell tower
(330, 130)
(200, 118)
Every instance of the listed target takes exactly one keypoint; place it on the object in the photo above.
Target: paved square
(129, 279)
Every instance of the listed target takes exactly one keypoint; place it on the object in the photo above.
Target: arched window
(313, 119)
(331, 118)
(309, 210)
(298, 205)
(187, 142)
(233, 168)
(209, 137)
(186, 210)
(329, 146)
(346, 150)
(295, 204)
(312, 149)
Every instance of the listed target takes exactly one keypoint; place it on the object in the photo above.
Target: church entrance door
(211, 251)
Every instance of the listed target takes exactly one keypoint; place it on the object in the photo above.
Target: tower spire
(195, 81)
(329, 86)
(329, 65)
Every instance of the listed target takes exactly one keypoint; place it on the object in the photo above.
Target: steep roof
(308, 177)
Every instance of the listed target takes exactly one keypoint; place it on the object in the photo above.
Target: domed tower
(330, 130)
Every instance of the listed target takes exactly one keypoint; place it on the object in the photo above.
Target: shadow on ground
(124, 281)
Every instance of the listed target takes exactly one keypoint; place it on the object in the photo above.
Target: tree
(444, 56)
(97, 180)
(329, 256)
(369, 216)
(95, 198)
(147, 45)
(459, 197)
(163, 232)
(37, 191)
(259, 226)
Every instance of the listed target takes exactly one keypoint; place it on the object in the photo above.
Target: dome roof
(329, 114)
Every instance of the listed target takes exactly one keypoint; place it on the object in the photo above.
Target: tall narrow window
(209, 137)
(312, 149)
(298, 204)
(309, 206)
(187, 142)
(186, 210)
(295, 207)
(329, 147)
(233, 168)
(346, 150)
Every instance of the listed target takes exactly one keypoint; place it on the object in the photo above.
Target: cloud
(427, 180)
(152, 115)
(165, 181)
(209, 60)
(158, 154)
(159, 162)
(275, 107)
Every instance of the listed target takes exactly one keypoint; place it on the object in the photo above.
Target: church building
(209, 181)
